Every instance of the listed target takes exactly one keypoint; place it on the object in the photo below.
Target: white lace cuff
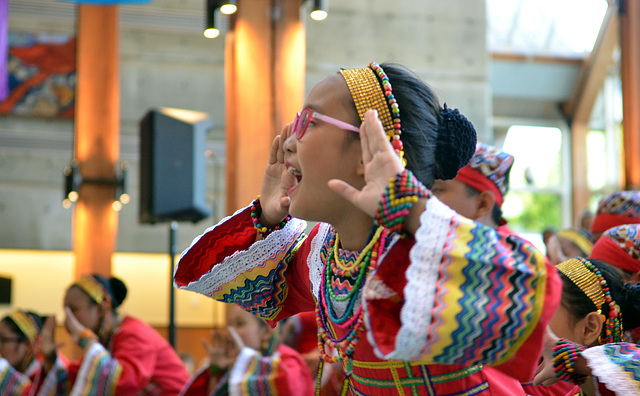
(610, 374)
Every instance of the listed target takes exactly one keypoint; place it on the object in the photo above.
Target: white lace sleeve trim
(610, 374)
(239, 369)
(422, 274)
(51, 380)
(84, 376)
(242, 261)
(315, 262)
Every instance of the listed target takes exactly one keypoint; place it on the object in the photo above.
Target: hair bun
(119, 291)
(455, 144)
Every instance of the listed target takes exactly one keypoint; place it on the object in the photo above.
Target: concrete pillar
(96, 144)
(264, 77)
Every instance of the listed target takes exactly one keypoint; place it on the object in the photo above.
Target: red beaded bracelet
(565, 355)
(256, 212)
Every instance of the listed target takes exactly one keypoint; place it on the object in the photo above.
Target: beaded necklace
(351, 326)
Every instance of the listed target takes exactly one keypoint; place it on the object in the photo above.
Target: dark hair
(116, 289)
(38, 321)
(437, 142)
(496, 212)
(627, 296)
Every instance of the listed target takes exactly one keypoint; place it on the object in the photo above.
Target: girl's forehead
(331, 91)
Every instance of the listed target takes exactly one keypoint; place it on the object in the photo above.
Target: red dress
(139, 362)
(439, 309)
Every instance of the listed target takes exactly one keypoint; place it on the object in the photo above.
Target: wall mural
(42, 75)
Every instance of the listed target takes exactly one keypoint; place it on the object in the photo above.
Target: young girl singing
(415, 298)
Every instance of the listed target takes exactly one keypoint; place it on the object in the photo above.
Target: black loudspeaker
(173, 165)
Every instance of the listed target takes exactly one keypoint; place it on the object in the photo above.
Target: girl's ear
(486, 201)
(593, 323)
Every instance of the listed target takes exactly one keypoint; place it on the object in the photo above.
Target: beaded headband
(92, 287)
(24, 323)
(371, 89)
(581, 241)
(589, 279)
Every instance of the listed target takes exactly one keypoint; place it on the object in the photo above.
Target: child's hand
(48, 344)
(273, 196)
(380, 165)
(224, 347)
(545, 373)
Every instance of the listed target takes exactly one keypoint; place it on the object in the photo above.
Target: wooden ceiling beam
(594, 69)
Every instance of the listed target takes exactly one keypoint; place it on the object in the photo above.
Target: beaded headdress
(24, 323)
(617, 208)
(371, 89)
(92, 287)
(589, 279)
(488, 169)
(620, 247)
(582, 239)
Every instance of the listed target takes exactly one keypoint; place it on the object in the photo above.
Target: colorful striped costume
(281, 373)
(445, 312)
(31, 382)
(139, 362)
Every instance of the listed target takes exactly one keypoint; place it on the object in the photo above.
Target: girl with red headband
(415, 298)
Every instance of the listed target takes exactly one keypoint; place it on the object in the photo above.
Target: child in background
(122, 355)
(585, 340)
(23, 368)
(478, 190)
(617, 208)
(247, 358)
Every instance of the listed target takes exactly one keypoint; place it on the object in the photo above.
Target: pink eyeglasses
(301, 123)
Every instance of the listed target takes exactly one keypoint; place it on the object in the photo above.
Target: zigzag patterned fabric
(485, 298)
(457, 295)
(617, 366)
(256, 279)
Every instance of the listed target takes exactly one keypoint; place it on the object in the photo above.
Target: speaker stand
(172, 254)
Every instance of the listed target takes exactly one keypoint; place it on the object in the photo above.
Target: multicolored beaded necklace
(349, 323)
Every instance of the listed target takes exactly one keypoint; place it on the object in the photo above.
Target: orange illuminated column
(96, 137)
(264, 78)
(630, 75)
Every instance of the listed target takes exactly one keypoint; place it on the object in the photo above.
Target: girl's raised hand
(380, 165)
(273, 195)
(48, 344)
(224, 347)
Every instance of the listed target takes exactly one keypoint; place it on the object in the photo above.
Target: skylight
(557, 28)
